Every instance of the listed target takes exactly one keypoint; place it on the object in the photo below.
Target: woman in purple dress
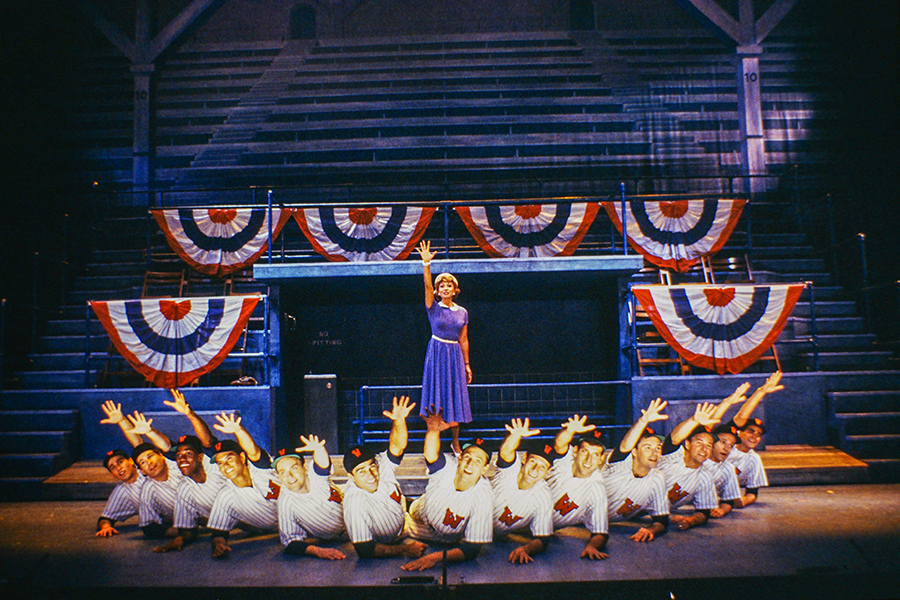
(447, 371)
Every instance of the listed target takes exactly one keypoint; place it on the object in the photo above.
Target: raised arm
(703, 415)
(652, 413)
(772, 384)
(115, 416)
(434, 425)
(317, 447)
(200, 427)
(574, 426)
(517, 430)
(427, 256)
(736, 397)
(399, 435)
(142, 426)
(232, 425)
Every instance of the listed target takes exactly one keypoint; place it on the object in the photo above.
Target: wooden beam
(177, 26)
(715, 15)
(772, 17)
(113, 33)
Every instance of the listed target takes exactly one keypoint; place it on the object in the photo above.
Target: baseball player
(683, 452)
(125, 499)
(157, 508)
(202, 480)
(577, 490)
(724, 476)
(521, 494)
(252, 490)
(309, 505)
(743, 456)
(457, 505)
(634, 486)
(373, 504)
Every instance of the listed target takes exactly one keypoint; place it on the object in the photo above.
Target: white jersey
(749, 468)
(627, 495)
(124, 501)
(577, 500)
(377, 515)
(686, 485)
(444, 514)
(158, 497)
(195, 500)
(515, 508)
(255, 505)
(724, 477)
(317, 513)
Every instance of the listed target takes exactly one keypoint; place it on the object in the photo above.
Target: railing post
(633, 316)
(266, 351)
(750, 230)
(812, 325)
(446, 210)
(269, 198)
(624, 220)
(361, 401)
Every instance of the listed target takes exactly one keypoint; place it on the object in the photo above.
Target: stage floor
(840, 541)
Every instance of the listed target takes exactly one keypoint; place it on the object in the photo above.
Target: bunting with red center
(219, 241)
(529, 230)
(174, 341)
(719, 327)
(676, 234)
(356, 234)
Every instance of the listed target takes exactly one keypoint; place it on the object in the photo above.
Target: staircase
(35, 444)
(866, 424)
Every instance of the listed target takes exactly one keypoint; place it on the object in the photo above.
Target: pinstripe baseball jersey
(378, 515)
(317, 513)
(577, 499)
(724, 477)
(195, 500)
(255, 505)
(158, 497)
(515, 508)
(687, 485)
(124, 501)
(750, 471)
(627, 495)
(444, 514)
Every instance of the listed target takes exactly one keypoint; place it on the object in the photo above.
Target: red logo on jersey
(507, 518)
(628, 507)
(564, 505)
(335, 496)
(274, 490)
(396, 497)
(451, 520)
(676, 494)
(737, 471)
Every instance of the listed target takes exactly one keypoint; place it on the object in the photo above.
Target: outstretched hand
(113, 412)
(577, 425)
(772, 384)
(228, 423)
(653, 412)
(180, 404)
(518, 428)
(737, 396)
(140, 425)
(425, 252)
(400, 409)
(434, 421)
(310, 444)
(704, 414)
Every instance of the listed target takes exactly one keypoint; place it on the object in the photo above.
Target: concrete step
(869, 423)
(107, 282)
(68, 361)
(884, 470)
(790, 265)
(848, 361)
(14, 489)
(60, 327)
(38, 420)
(844, 341)
(826, 308)
(829, 325)
(53, 380)
(864, 402)
(52, 344)
(33, 465)
(12, 442)
(872, 446)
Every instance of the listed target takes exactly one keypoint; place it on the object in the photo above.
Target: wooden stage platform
(785, 465)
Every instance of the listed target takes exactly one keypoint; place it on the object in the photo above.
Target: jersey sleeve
(355, 520)
(706, 498)
(120, 505)
(480, 526)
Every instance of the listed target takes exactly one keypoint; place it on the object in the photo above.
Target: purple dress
(444, 379)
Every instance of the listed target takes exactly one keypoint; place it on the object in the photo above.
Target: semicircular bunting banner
(533, 230)
(219, 241)
(357, 234)
(719, 327)
(676, 234)
(174, 341)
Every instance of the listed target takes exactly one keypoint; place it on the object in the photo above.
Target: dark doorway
(303, 22)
